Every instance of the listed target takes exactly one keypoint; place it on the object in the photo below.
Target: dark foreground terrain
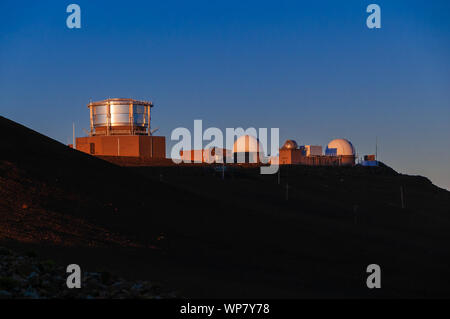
(311, 235)
(23, 276)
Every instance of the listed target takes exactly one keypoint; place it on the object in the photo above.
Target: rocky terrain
(26, 277)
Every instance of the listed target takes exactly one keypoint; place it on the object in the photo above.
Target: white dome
(247, 144)
(340, 147)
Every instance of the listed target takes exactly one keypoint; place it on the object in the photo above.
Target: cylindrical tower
(120, 117)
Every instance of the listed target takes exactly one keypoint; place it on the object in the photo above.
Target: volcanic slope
(52, 193)
(312, 235)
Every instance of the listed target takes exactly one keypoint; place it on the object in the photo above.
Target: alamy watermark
(74, 279)
(74, 19)
(232, 149)
(374, 279)
(374, 19)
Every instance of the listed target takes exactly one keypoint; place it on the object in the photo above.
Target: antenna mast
(376, 148)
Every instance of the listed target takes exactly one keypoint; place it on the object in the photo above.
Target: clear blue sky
(312, 68)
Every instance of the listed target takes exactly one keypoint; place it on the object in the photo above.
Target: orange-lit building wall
(290, 156)
(296, 156)
(205, 155)
(123, 145)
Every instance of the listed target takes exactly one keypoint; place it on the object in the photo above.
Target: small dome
(247, 144)
(290, 145)
(340, 147)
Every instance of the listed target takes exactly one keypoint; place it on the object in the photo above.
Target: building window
(92, 148)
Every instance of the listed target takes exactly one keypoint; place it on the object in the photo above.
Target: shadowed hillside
(311, 235)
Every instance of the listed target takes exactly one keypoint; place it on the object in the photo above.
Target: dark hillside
(312, 235)
(40, 174)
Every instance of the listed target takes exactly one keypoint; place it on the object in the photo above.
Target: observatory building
(121, 127)
(338, 152)
(343, 149)
(211, 155)
(290, 153)
(247, 149)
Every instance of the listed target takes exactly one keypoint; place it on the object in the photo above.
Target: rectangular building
(213, 155)
(143, 146)
(313, 150)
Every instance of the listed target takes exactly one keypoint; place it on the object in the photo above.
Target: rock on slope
(26, 277)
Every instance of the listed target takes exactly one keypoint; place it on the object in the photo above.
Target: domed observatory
(247, 149)
(343, 149)
(289, 153)
(290, 145)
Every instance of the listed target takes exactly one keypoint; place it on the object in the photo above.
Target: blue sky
(311, 68)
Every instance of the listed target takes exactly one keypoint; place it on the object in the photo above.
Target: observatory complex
(247, 149)
(121, 127)
(339, 152)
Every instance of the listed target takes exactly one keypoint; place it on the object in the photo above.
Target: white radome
(247, 144)
(342, 146)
